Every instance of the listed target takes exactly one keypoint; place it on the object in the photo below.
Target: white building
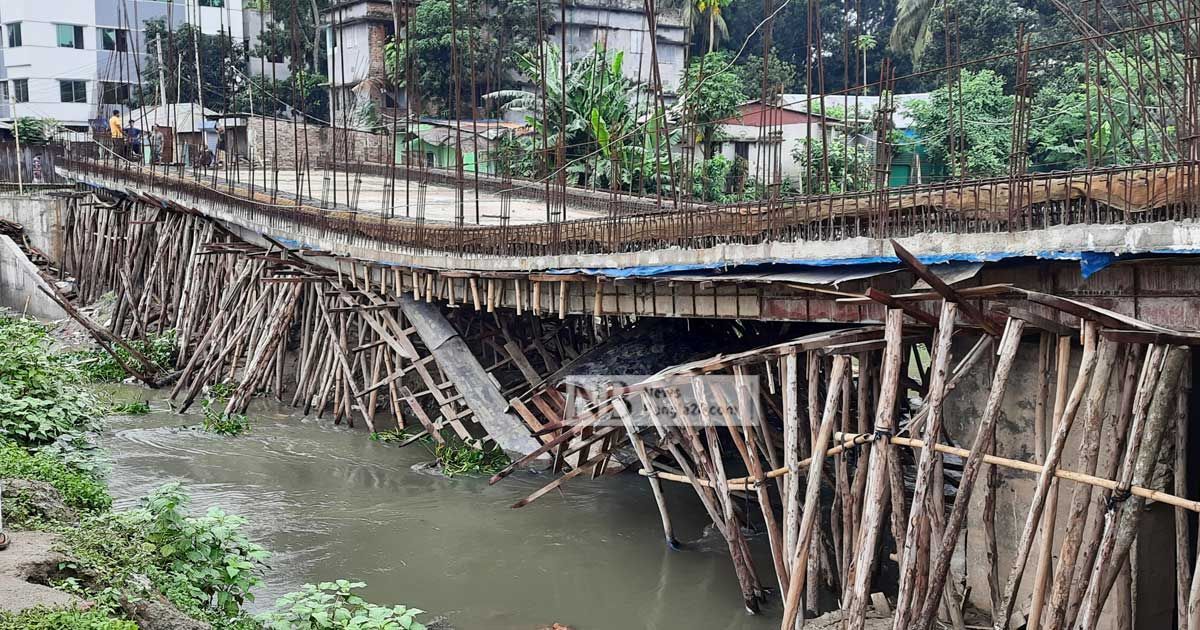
(71, 59)
(621, 25)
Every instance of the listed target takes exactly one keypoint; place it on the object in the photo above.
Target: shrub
(204, 564)
(39, 396)
(99, 366)
(80, 490)
(333, 605)
(42, 618)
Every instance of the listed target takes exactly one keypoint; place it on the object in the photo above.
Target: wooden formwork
(329, 338)
(845, 450)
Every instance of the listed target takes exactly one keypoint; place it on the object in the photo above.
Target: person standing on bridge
(117, 133)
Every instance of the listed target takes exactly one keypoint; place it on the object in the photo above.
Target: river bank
(327, 502)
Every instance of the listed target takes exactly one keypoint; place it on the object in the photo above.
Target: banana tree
(592, 113)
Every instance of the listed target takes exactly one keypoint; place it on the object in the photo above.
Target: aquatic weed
(134, 408)
(457, 457)
(215, 418)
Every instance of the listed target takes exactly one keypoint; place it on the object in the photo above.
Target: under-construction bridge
(457, 304)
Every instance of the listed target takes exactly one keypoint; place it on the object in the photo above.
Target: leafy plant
(100, 367)
(843, 167)
(594, 116)
(80, 490)
(225, 424)
(388, 436)
(712, 91)
(215, 418)
(36, 131)
(81, 451)
(334, 605)
(43, 618)
(984, 139)
(204, 564)
(459, 458)
(39, 397)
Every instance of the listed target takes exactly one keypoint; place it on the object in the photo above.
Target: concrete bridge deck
(744, 261)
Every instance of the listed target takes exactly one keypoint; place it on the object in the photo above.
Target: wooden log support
(812, 492)
(940, 565)
(1141, 459)
(915, 556)
(877, 484)
(950, 295)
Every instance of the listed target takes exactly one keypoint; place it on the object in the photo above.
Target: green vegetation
(133, 408)
(844, 167)
(37, 131)
(221, 64)
(982, 147)
(100, 367)
(80, 490)
(605, 144)
(215, 418)
(40, 397)
(42, 618)
(712, 91)
(490, 38)
(204, 565)
(333, 605)
(225, 424)
(388, 436)
(459, 458)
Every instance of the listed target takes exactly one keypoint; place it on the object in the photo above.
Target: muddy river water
(329, 503)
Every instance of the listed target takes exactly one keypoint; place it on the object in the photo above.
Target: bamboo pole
(812, 493)
(925, 482)
(877, 483)
(656, 488)
(941, 564)
(1087, 366)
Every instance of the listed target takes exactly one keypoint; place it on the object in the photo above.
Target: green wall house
(434, 144)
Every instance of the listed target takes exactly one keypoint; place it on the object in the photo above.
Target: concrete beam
(19, 282)
(478, 390)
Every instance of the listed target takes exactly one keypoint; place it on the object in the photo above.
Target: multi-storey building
(72, 59)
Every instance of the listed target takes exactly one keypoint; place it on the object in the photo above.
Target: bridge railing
(1111, 195)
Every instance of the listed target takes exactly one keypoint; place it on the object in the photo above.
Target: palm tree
(912, 28)
(716, 22)
(864, 43)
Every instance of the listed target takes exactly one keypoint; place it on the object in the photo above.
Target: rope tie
(1119, 495)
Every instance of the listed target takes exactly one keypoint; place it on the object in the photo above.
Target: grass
(80, 490)
(42, 618)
